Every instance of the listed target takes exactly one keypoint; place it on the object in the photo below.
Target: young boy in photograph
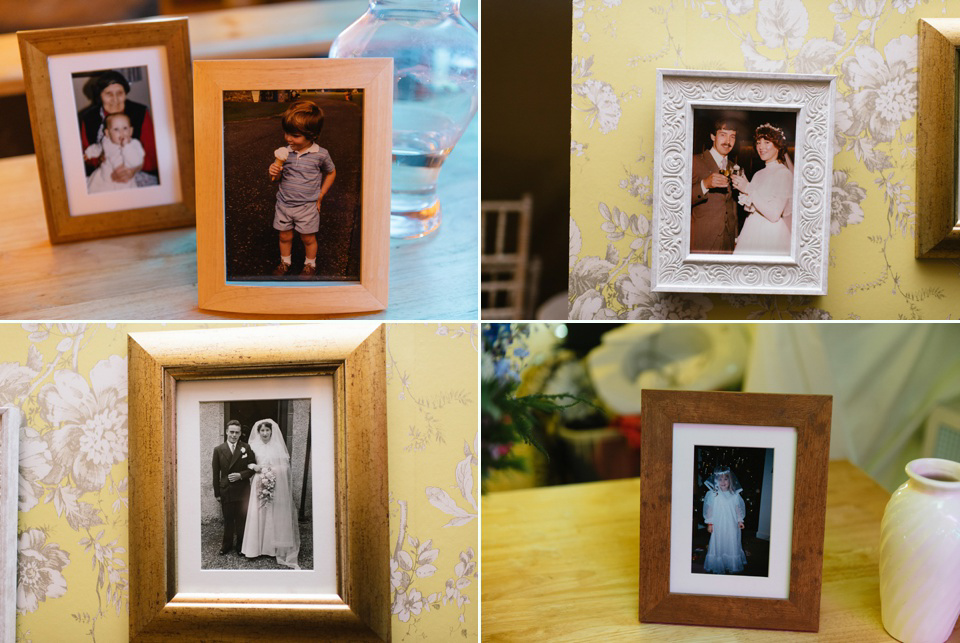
(306, 173)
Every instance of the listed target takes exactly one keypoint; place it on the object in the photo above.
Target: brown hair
(303, 118)
(776, 136)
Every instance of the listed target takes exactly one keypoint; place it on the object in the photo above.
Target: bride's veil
(274, 448)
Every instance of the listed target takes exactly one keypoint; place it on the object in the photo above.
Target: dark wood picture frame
(354, 355)
(35, 49)
(810, 415)
(938, 230)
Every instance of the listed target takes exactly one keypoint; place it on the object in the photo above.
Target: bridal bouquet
(268, 482)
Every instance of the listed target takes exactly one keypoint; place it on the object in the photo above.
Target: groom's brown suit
(713, 223)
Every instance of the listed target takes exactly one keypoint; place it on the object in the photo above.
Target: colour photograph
(292, 179)
(116, 129)
(742, 181)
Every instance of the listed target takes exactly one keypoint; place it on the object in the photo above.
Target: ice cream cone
(280, 155)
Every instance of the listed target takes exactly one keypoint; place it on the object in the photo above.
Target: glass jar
(435, 95)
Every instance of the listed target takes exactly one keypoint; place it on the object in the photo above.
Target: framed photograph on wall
(743, 166)
(111, 113)
(293, 212)
(259, 484)
(9, 489)
(938, 181)
(735, 538)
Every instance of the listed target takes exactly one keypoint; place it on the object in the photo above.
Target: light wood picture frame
(78, 204)
(682, 263)
(799, 426)
(354, 356)
(938, 181)
(216, 289)
(9, 488)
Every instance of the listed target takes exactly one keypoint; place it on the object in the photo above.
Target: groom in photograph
(713, 224)
(231, 485)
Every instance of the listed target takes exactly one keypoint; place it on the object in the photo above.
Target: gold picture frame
(938, 230)
(73, 211)
(367, 293)
(354, 355)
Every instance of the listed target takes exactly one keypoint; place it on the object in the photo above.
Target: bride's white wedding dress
(271, 528)
(770, 204)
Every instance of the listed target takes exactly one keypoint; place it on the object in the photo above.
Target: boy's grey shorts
(302, 217)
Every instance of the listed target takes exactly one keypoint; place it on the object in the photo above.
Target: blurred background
(561, 402)
(525, 155)
(222, 29)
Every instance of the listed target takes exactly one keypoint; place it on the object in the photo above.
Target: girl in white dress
(768, 197)
(271, 528)
(723, 511)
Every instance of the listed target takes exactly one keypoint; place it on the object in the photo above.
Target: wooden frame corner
(938, 231)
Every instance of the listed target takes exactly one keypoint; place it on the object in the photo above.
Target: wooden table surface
(154, 275)
(561, 564)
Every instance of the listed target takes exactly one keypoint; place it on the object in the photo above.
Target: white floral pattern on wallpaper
(428, 579)
(74, 431)
(874, 141)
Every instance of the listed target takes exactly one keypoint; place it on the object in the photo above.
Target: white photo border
(191, 579)
(783, 441)
(80, 202)
(674, 267)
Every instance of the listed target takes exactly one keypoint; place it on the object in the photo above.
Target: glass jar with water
(434, 95)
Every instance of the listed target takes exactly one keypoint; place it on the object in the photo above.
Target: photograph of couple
(116, 129)
(742, 182)
(255, 502)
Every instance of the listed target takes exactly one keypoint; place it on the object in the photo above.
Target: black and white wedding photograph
(256, 498)
(732, 508)
(742, 181)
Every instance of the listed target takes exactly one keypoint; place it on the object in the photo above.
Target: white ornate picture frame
(9, 486)
(803, 271)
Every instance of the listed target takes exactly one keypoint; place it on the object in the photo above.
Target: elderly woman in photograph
(271, 527)
(109, 95)
(768, 197)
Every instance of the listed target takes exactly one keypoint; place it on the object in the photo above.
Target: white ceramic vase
(920, 554)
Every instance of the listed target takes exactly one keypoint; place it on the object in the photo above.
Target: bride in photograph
(271, 527)
(768, 197)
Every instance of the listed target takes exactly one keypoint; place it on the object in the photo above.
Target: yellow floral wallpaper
(871, 47)
(70, 382)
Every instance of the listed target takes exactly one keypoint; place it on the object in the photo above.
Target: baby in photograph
(306, 173)
(723, 512)
(117, 149)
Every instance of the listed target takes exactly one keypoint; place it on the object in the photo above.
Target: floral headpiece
(774, 134)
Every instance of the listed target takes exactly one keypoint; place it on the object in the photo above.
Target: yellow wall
(70, 382)
(870, 45)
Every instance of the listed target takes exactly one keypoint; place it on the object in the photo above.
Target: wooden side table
(561, 564)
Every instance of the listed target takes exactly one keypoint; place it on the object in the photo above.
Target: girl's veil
(713, 484)
(272, 449)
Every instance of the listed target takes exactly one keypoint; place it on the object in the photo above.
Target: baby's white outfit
(129, 155)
